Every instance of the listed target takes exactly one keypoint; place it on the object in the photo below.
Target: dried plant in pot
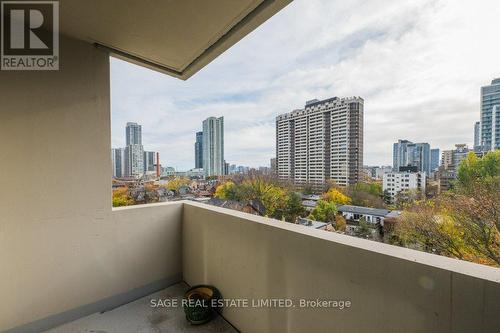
(200, 304)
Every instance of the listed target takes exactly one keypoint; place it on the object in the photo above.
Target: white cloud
(418, 64)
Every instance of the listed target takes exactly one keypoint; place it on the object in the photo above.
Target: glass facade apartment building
(406, 153)
(490, 116)
(198, 151)
(213, 146)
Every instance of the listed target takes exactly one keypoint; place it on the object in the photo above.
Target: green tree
(387, 197)
(475, 203)
(363, 229)
(294, 207)
(406, 198)
(367, 194)
(474, 172)
(228, 191)
(272, 197)
(324, 211)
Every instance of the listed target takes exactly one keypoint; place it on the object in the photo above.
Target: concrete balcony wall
(392, 289)
(137, 250)
(71, 269)
(61, 245)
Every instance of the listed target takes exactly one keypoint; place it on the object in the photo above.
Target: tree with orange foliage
(340, 223)
(336, 196)
(121, 197)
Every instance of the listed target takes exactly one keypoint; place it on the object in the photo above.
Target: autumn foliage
(121, 197)
(337, 197)
(463, 223)
(280, 203)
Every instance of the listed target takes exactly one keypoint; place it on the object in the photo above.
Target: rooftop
(313, 197)
(311, 223)
(363, 210)
(394, 213)
(309, 203)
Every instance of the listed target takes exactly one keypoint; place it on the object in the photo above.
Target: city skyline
(410, 67)
(199, 144)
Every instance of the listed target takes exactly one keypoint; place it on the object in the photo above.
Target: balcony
(145, 249)
(66, 255)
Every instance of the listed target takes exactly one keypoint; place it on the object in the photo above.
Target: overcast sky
(419, 65)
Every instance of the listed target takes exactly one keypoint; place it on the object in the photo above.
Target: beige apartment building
(323, 141)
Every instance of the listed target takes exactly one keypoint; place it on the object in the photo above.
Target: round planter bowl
(199, 303)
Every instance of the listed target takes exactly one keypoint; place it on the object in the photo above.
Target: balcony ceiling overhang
(176, 37)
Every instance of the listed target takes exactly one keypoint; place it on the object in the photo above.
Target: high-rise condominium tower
(150, 161)
(406, 153)
(213, 146)
(134, 151)
(133, 134)
(490, 116)
(477, 136)
(323, 141)
(435, 157)
(198, 151)
(118, 162)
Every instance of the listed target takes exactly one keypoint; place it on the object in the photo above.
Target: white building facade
(396, 182)
(378, 172)
(323, 141)
(134, 161)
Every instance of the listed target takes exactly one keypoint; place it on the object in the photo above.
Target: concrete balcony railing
(143, 249)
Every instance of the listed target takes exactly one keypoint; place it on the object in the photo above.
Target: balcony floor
(139, 316)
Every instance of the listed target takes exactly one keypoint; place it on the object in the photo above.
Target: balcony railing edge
(475, 270)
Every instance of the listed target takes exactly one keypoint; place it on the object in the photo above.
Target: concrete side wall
(391, 289)
(61, 245)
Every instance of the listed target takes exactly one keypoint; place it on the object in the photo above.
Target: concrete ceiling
(176, 37)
